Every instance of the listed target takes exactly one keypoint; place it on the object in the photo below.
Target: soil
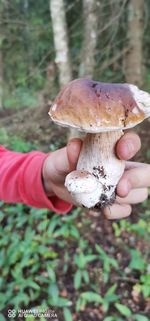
(33, 125)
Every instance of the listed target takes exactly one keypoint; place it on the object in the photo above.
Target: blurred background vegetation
(80, 265)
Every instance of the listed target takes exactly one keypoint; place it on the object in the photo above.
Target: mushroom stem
(94, 182)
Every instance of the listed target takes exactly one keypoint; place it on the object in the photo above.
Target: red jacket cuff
(35, 194)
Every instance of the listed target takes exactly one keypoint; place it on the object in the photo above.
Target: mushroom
(103, 111)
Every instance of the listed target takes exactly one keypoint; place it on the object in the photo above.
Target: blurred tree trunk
(61, 46)
(59, 25)
(90, 34)
(133, 62)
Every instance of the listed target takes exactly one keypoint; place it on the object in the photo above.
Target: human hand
(133, 186)
(56, 167)
(61, 162)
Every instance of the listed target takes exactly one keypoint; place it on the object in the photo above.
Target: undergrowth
(77, 265)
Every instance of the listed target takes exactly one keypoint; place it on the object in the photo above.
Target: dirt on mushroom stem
(98, 159)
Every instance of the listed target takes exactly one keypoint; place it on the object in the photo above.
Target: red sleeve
(21, 181)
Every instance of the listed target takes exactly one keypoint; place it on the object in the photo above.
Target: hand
(58, 164)
(133, 186)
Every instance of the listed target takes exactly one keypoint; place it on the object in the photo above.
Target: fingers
(121, 208)
(59, 163)
(62, 193)
(134, 178)
(135, 196)
(73, 151)
(128, 145)
(117, 211)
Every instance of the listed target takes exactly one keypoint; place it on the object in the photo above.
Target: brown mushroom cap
(93, 106)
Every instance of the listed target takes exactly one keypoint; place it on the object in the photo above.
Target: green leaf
(125, 311)
(2, 215)
(67, 314)
(145, 279)
(30, 318)
(74, 232)
(85, 276)
(110, 295)
(61, 302)
(32, 284)
(43, 225)
(90, 296)
(99, 249)
(140, 317)
(81, 259)
(51, 274)
(20, 298)
(111, 290)
(146, 290)
(2, 318)
(109, 319)
(90, 258)
(77, 279)
(63, 231)
(80, 304)
(55, 222)
(53, 291)
(137, 261)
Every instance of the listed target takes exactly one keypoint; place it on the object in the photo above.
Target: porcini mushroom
(103, 111)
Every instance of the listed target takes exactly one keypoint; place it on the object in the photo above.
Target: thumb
(73, 151)
(128, 145)
(62, 161)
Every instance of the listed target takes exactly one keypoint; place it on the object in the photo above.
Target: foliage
(47, 260)
(26, 41)
(27, 48)
(21, 97)
(34, 245)
(38, 249)
(15, 143)
(107, 262)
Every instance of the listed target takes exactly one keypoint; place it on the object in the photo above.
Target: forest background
(79, 265)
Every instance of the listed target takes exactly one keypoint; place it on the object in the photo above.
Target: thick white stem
(94, 182)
